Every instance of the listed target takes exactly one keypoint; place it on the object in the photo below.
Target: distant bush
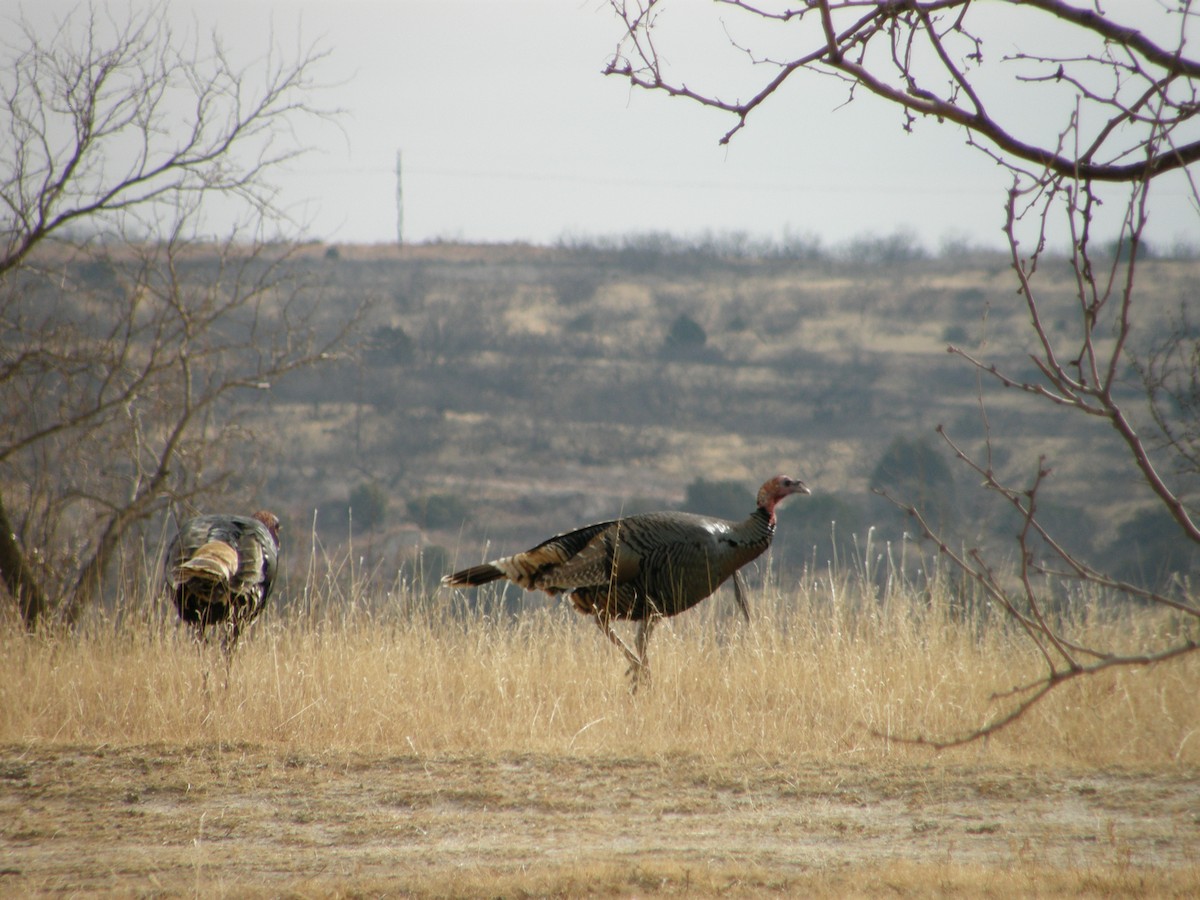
(969, 303)
(439, 510)
(584, 323)
(913, 472)
(738, 323)
(1183, 248)
(820, 529)
(722, 498)
(575, 288)
(685, 333)
(901, 246)
(955, 334)
(389, 346)
(368, 506)
(649, 251)
(1150, 549)
(646, 252)
(1073, 527)
(99, 274)
(1120, 249)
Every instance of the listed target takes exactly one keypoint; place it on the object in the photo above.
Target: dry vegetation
(521, 391)
(406, 744)
(819, 673)
(540, 388)
(376, 737)
(376, 740)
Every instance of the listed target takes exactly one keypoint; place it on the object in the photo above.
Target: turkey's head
(775, 489)
(272, 522)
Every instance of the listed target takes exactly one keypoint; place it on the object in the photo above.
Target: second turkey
(643, 567)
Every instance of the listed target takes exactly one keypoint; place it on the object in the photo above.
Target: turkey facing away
(642, 567)
(220, 570)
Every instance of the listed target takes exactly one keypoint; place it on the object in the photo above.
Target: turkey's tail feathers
(474, 576)
(215, 562)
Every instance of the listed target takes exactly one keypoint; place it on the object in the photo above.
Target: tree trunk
(18, 576)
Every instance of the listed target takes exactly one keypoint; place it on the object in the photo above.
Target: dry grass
(820, 673)
(244, 820)
(401, 746)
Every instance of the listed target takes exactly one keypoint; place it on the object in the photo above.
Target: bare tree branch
(936, 82)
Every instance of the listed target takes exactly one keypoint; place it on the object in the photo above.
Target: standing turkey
(642, 567)
(220, 570)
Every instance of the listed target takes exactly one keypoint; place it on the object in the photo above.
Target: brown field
(372, 740)
(269, 820)
(398, 749)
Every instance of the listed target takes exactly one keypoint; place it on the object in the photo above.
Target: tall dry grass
(824, 669)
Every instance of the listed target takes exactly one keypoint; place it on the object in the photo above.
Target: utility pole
(399, 202)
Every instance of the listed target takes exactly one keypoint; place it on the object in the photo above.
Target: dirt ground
(260, 820)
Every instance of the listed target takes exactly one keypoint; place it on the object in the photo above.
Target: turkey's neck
(753, 536)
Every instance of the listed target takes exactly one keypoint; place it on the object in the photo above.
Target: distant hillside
(507, 393)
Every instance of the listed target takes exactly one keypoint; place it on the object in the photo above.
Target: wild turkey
(220, 570)
(642, 567)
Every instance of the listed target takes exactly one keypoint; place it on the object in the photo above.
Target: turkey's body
(653, 564)
(641, 567)
(220, 570)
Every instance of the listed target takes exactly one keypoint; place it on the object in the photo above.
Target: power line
(823, 187)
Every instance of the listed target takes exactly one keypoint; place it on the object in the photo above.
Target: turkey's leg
(605, 624)
(640, 673)
(739, 597)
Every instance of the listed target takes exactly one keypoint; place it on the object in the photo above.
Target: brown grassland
(381, 741)
(409, 746)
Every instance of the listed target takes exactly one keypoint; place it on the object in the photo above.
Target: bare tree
(132, 344)
(1125, 92)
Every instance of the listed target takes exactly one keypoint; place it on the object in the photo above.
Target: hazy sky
(509, 132)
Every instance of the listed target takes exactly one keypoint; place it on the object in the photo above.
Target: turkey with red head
(220, 570)
(642, 567)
